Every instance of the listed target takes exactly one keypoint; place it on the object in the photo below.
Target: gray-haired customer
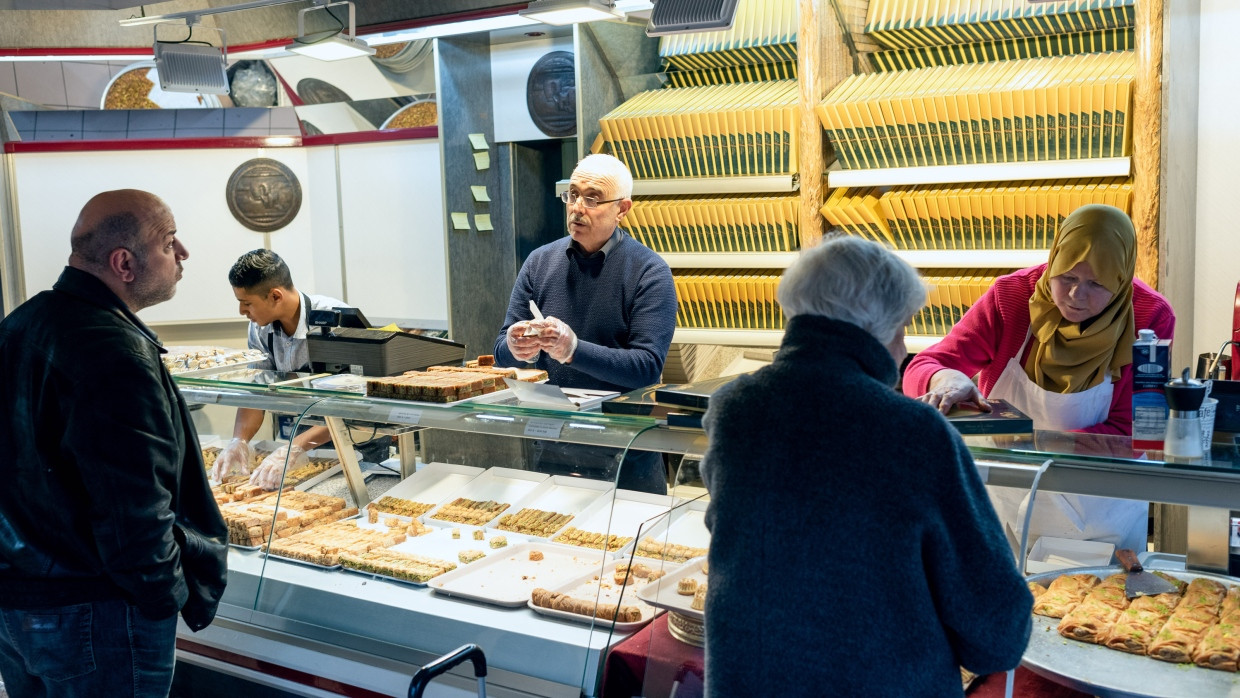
(854, 550)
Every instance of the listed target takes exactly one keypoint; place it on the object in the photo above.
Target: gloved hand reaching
(233, 459)
(522, 344)
(556, 338)
(271, 471)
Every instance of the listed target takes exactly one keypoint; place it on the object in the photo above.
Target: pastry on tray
(1177, 639)
(607, 611)
(1137, 625)
(1093, 619)
(1064, 594)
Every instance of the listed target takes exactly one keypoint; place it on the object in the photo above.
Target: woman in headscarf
(1055, 341)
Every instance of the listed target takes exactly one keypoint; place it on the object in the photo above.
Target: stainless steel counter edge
(365, 614)
(592, 428)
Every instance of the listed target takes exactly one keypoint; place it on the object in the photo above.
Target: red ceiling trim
(69, 51)
(398, 134)
(392, 134)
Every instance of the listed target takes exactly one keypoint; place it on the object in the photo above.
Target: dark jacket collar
(574, 250)
(815, 338)
(89, 288)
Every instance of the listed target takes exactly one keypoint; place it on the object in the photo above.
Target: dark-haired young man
(265, 294)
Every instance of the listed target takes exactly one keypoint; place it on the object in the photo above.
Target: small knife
(530, 331)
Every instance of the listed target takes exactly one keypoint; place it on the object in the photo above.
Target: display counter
(368, 633)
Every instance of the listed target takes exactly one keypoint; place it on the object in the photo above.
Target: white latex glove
(233, 459)
(557, 339)
(949, 388)
(524, 347)
(271, 471)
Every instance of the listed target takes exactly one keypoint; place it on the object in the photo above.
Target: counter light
(332, 45)
(561, 12)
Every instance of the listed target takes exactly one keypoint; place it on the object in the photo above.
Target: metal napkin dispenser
(378, 352)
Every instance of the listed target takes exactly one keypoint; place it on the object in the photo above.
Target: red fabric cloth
(991, 332)
(1028, 685)
(650, 662)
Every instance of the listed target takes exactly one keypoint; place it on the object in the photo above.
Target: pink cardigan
(991, 332)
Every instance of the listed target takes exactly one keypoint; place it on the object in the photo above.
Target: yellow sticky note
(478, 141)
(482, 161)
(480, 193)
(460, 221)
(483, 221)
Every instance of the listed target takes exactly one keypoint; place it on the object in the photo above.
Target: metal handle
(423, 676)
(1128, 559)
(1218, 358)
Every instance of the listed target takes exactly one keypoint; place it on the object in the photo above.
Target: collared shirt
(290, 353)
(605, 250)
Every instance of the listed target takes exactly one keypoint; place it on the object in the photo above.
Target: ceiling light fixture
(561, 12)
(191, 66)
(689, 16)
(333, 44)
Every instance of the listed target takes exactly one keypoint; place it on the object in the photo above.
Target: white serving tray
(1100, 671)
(206, 441)
(440, 543)
(661, 593)
(434, 483)
(685, 526)
(507, 580)
(504, 485)
(622, 516)
(561, 494)
(602, 589)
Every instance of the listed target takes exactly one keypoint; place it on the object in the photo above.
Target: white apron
(1119, 521)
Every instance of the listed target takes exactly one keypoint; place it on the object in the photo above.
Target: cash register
(340, 340)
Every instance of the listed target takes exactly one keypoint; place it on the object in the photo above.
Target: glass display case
(395, 592)
(490, 522)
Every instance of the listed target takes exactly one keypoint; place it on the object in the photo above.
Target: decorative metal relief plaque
(551, 94)
(263, 194)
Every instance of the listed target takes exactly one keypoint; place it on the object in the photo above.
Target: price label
(545, 428)
(405, 415)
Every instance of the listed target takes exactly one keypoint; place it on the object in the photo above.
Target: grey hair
(92, 247)
(611, 170)
(856, 281)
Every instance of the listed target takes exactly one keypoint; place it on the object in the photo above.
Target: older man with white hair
(609, 305)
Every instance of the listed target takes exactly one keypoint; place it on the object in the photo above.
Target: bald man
(107, 524)
(609, 307)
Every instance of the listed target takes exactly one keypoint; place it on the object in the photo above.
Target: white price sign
(405, 415)
(546, 428)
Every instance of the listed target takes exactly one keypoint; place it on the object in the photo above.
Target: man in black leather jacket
(107, 524)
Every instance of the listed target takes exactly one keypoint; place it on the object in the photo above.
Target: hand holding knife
(538, 317)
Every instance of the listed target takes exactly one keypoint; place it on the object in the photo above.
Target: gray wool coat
(854, 550)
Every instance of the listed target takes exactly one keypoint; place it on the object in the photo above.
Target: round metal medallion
(551, 94)
(263, 194)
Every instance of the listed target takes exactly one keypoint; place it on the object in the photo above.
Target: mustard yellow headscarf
(1065, 358)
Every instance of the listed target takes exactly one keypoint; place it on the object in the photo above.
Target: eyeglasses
(571, 198)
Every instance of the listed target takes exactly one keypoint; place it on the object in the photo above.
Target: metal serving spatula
(1139, 582)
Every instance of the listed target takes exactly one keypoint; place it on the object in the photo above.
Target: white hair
(856, 281)
(609, 170)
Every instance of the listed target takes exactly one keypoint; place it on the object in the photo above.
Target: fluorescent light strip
(435, 31)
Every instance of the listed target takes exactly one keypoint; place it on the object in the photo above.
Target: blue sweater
(854, 551)
(621, 305)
